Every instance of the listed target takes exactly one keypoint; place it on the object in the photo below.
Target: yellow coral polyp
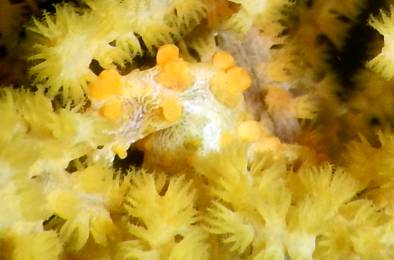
(232, 176)
(383, 62)
(175, 75)
(64, 203)
(112, 110)
(167, 53)
(305, 107)
(108, 83)
(275, 69)
(171, 109)
(249, 131)
(223, 60)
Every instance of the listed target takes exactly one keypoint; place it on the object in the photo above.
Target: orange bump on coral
(108, 83)
(175, 75)
(167, 53)
(223, 60)
(112, 110)
(241, 77)
(171, 109)
(224, 93)
(227, 87)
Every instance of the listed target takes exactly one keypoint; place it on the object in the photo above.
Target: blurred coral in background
(196, 129)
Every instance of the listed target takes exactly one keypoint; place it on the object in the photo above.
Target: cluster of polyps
(176, 107)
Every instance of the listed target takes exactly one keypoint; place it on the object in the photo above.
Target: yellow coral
(246, 172)
(251, 11)
(169, 231)
(167, 53)
(361, 153)
(175, 208)
(61, 66)
(383, 62)
(63, 34)
(84, 201)
(29, 241)
(249, 131)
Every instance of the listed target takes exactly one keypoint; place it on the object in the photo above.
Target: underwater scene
(197, 129)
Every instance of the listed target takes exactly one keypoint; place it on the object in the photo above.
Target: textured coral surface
(196, 129)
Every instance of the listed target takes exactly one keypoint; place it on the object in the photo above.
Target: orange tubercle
(171, 109)
(225, 91)
(175, 75)
(167, 53)
(112, 110)
(223, 60)
(227, 87)
(240, 78)
(107, 84)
